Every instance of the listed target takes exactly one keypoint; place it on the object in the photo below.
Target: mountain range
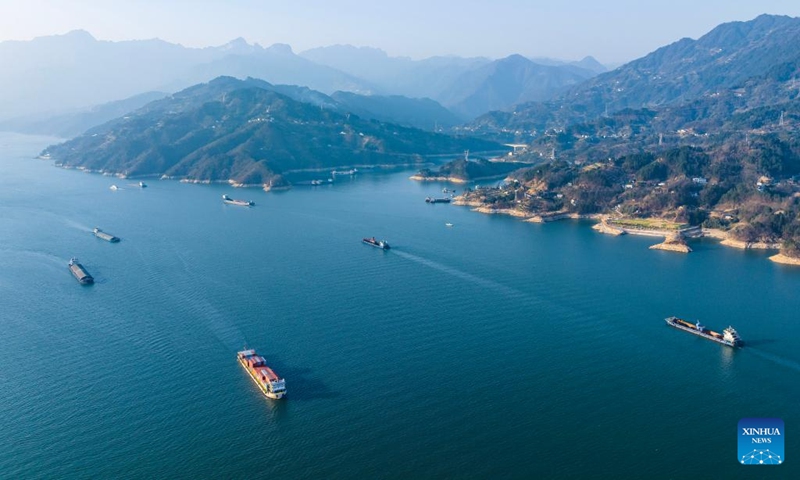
(468, 86)
(695, 131)
(702, 131)
(726, 58)
(247, 132)
(74, 72)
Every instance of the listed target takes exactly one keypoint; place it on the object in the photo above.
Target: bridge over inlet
(518, 147)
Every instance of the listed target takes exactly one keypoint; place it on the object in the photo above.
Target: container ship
(80, 273)
(437, 200)
(728, 337)
(376, 243)
(105, 236)
(267, 380)
(241, 203)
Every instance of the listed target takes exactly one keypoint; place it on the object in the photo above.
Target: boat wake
(77, 225)
(221, 326)
(785, 362)
(47, 258)
(483, 282)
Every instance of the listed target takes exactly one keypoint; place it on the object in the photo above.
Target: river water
(491, 348)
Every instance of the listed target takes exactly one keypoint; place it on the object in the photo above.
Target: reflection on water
(726, 357)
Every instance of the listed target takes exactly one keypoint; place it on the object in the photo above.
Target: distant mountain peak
(237, 42)
(239, 46)
(79, 34)
(590, 63)
(515, 58)
(281, 49)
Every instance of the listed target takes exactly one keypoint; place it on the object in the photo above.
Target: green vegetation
(468, 170)
(242, 131)
(719, 187)
(700, 132)
(648, 224)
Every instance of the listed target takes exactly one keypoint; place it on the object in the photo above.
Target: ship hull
(702, 334)
(238, 203)
(267, 393)
(107, 237)
(81, 274)
(382, 247)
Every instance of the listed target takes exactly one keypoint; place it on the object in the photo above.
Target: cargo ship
(437, 200)
(105, 236)
(376, 243)
(267, 380)
(80, 273)
(241, 203)
(728, 337)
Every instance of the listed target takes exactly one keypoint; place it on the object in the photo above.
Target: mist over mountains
(695, 131)
(72, 74)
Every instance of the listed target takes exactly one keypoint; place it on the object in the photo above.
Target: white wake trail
(474, 279)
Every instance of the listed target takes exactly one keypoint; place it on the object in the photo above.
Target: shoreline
(419, 178)
(603, 227)
(785, 259)
(730, 242)
(233, 183)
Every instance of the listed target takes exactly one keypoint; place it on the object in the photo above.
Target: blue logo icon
(761, 441)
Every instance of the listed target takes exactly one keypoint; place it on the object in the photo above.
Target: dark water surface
(493, 348)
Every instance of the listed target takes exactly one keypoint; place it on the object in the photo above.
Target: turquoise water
(494, 348)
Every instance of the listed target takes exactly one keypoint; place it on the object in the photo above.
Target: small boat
(105, 236)
(382, 244)
(437, 200)
(79, 272)
(142, 185)
(352, 171)
(113, 187)
(270, 384)
(241, 203)
(448, 224)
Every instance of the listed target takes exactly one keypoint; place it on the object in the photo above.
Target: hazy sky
(611, 30)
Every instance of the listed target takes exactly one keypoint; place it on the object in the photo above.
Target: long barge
(79, 272)
(728, 337)
(105, 236)
(382, 244)
(233, 201)
(270, 384)
(437, 200)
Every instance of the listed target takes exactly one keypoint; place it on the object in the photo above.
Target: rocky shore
(785, 259)
(421, 178)
(730, 242)
(604, 227)
(555, 216)
(480, 207)
(673, 243)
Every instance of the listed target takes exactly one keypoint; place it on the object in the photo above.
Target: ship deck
(257, 382)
